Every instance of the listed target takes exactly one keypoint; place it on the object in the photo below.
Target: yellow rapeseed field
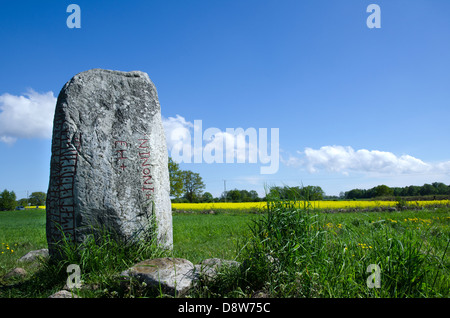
(218, 206)
(314, 204)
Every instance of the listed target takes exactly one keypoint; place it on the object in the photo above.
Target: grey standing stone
(109, 162)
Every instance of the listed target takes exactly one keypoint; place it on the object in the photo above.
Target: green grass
(196, 237)
(21, 231)
(200, 236)
(411, 248)
(305, 253)
(287, 252)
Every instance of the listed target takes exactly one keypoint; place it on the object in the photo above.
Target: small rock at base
(63, 294)
(16, 272)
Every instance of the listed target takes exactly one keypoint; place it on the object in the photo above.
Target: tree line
(8, 200)
(433, 189)
(309, 193)
(188, 186)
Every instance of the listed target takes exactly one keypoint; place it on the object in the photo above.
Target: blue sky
(355, 107)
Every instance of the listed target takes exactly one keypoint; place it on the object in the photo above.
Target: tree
(234, 196)
(176, 180)
(354, 194)
(207, 197)
(441, 188)
(7, 200)
(312, 193)
(413, 190)
(309, 193)
(240, 196)
(22, 202)
(382, 191)
(193, 185)
(254, 196)
(37, 198)
(427, 189)
(245, 196)
(186, 183)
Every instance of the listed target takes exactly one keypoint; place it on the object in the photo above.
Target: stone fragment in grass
(17, 272)
(208, 268)
(174, 276)
(34, 255)
(63, 294)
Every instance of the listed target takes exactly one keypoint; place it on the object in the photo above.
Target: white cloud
(177, 130)
(291, 160)
(26, 116)
(185, 138)
(345, 160)
(443, 167)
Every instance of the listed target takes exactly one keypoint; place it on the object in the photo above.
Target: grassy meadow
(20, 232)
(287, 250)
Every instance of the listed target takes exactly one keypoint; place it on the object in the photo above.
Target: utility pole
(225, 189)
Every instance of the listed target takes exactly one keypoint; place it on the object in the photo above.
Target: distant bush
(7, 200)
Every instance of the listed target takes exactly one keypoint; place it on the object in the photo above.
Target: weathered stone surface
(174, 275)
(63, 294)
(34, 255)
(109, 158)
(208, 268)
(16, 272)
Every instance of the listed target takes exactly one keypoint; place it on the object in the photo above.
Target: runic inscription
(63, 164)
(144, 156)
(121, 148)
